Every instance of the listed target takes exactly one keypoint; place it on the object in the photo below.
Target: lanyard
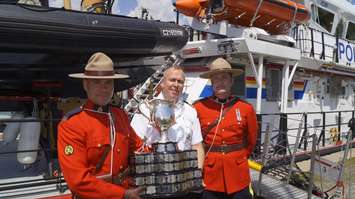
(112, 138)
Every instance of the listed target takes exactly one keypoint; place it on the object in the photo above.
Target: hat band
(99, 73)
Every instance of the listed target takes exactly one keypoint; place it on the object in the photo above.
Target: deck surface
(275, 189)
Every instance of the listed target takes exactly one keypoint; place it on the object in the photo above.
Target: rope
(256, 13)
(294, 14)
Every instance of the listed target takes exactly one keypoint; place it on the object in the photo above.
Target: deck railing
(280, 133)
(323, 46)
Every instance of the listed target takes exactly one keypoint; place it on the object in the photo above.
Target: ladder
(149, 88)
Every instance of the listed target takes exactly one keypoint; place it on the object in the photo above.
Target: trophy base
(166, 172)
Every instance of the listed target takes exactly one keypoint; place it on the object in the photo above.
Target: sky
(158, 9)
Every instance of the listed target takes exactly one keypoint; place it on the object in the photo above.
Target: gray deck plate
(275, 189)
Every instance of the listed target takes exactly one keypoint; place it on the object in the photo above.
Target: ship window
(350, 34)
(217, 6)
(335, 87)
(314, 13)
(273, 84)
(238, 87)
(325, 18)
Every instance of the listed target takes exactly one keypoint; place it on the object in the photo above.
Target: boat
(39, 47)
(300, 81)
(46, 44)
(27, 28)
(316, 60)
(274, 16)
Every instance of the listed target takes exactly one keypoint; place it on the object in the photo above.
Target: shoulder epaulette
(243, 100)
(72, 113)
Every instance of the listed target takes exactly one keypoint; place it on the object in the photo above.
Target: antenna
(144, 14)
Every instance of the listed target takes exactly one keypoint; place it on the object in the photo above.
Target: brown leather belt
(225, 148)
(118, 179)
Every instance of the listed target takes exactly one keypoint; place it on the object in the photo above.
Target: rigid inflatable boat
(40, 46)
(40, 29)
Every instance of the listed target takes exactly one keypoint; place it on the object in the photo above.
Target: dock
(272, 188)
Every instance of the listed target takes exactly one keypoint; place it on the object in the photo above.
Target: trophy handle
(148, 104)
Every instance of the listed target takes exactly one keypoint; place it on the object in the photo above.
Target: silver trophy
(166, 171)
(161, 116)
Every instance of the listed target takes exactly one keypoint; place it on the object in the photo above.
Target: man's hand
(133, 193)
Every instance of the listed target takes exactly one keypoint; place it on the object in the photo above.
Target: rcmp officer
(95, 140)
(229, 128)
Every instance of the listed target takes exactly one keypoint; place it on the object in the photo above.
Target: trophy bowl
(162, 116)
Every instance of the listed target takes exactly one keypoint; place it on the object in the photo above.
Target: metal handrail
(283, 128)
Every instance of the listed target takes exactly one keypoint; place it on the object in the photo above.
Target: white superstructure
(310, 70)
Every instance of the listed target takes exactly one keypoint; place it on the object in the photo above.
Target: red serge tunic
(227, 172)
(82, 139)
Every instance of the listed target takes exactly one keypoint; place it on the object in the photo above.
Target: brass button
(99, 145)
(121, 167)
(223, 142)
(118, 150)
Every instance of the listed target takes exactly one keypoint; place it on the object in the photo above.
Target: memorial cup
(165, 171)
(161, 116)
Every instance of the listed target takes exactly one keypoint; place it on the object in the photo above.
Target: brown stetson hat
(220, 65)
(99, 66)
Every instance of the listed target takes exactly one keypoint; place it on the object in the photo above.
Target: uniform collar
(225, 101)
(94, 107)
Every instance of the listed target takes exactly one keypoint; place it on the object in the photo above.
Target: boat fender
(29, 140)
(12, 129)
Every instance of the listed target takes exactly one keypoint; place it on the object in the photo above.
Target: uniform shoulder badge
(69, 150)
(72, 113)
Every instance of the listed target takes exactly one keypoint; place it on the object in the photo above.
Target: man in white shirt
(186, 132)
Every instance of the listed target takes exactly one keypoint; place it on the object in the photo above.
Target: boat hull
(37, 29)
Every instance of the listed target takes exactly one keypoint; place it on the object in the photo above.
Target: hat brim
(234, 72)
(83, 76)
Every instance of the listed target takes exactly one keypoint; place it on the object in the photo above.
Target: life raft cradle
(268, 23)
(275, 16)
(258, 15)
